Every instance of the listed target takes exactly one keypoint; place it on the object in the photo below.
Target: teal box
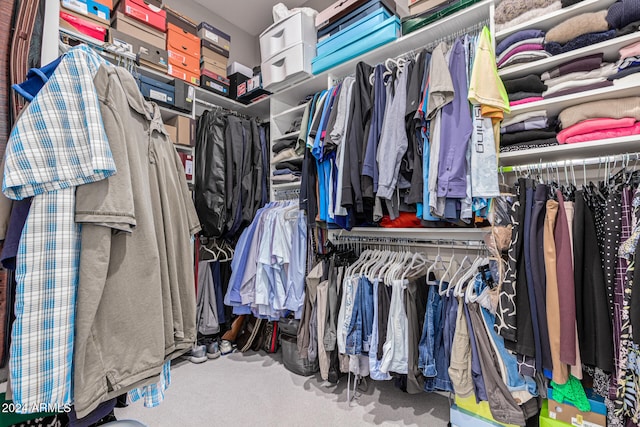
(359, 42)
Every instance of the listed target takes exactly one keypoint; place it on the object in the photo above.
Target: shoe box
(216, 64)
(138, 30)
(156, 90)
(81, 24)
(235, 80)
(567, 413)
(215, 36)
(89, 9)
(187, 164)
(214, 83)
(148, 14)
(252, 90)
(149, 55)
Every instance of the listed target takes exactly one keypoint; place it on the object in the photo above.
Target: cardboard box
(182, 74)
(179, 20)
(187, 164)
(214, 76)
(157, 91)
(172, 131)
(188, 63)
(206, 44)
(139, 31)
(149, 55)
(573, 416)
(185, 130)
(107, 3)
(184, 95)
(89, 9)
(214, 86)
(216, 67)
(148, 14)
(217, 37)
(82, 25)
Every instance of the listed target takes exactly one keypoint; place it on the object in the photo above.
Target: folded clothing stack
(578, 75)
(520, 47)
(596, 120)
(524, 89)
(513, 12)
(526, 131)
(287, 162)
(628, 65)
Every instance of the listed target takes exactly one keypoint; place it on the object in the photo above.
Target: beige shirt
(136, 293)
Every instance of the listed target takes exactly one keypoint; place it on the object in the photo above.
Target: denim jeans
(426, 360)
(361, 325)
(374, 363)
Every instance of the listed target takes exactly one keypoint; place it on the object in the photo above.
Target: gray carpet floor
(255, 389)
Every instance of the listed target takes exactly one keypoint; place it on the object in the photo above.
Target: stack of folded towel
(526, 131)
(596, 120)
(524, 89)
(287, 162)
(578, 75)
(521, 46)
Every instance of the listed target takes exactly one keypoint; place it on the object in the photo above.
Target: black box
(213, 85)
(236, 79)
(184, 95)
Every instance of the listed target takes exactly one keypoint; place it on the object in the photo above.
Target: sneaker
(226, 347)
(198, 354)
(213, 350)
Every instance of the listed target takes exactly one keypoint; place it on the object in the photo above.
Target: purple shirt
(456, 128)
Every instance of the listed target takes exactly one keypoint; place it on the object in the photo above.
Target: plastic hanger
(466, 263)
(447, 274)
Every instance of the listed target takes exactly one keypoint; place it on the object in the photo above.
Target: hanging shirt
(338, 136)
(393, 139)
(58, 143)
(456, 131)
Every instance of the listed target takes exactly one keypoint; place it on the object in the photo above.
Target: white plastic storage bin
(297, 28)
(288, 67)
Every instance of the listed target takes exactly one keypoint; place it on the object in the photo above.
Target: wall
(244, 47)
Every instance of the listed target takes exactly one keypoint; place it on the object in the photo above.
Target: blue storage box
(155, 90)
(360, 13)
(344, 37)
(89, 8)
(359, 43)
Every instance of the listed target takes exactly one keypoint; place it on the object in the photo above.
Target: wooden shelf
(610, 49)
(603, 147)
(550, 20)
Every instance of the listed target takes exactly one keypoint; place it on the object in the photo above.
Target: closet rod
(574, 162)
(412, 242)
(223, 109)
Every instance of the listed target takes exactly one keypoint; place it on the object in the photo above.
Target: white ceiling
(253, 16)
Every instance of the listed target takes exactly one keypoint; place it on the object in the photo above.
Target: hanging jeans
(374, 362)
(395, 357)
(359, 332)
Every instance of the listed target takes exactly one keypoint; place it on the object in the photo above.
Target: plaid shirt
(58, 143)
(153, 394)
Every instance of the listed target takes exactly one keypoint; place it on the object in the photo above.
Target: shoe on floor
(213, 350)
(226, 347)
(198, 354)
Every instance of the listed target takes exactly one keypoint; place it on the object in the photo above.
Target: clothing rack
(287, 194)
(223, 109)
(624, 158)
(475, 28)
(124, 57)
